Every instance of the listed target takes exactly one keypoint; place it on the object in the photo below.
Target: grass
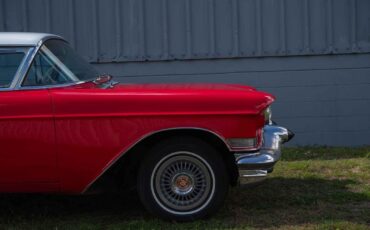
(310, 188)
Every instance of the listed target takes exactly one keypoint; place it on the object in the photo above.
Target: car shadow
(284, 201)
(277, 202)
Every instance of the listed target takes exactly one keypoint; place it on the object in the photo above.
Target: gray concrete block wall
(325, 100)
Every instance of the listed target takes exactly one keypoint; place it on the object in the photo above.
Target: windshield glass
(57, 63)
(9, 64)
(80, 68)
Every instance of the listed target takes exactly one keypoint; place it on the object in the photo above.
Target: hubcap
(182, 183)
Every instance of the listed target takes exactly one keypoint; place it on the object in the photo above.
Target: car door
(28, 159)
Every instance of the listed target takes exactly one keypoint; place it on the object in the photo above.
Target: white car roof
(24, 38)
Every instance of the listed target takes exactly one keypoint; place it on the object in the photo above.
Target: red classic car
(66, 129)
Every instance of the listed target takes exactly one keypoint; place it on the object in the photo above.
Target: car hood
(169, 98)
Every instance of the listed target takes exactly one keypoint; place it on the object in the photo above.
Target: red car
(66, 129)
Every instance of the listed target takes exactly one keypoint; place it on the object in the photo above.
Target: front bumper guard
(254, 167)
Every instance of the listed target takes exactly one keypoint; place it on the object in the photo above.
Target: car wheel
(183, 179)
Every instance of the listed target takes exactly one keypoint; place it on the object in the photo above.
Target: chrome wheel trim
(182, 182)
(167, 202)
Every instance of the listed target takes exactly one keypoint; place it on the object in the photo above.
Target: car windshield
(9, 64)
(80, 68)
(56, 63)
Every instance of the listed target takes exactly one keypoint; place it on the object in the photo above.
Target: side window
(44, 71)
(9, 63)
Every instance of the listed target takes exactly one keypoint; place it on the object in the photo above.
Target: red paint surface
(65, 138)
(27, 141)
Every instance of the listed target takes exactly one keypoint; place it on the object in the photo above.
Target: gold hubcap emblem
(182, 182)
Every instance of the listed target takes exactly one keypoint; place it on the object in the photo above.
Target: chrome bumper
(254, 167)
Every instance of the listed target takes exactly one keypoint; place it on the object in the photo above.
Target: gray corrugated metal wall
(135, 30)
(312, 54)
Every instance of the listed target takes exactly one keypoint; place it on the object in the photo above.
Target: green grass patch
(324, 153)
(310, 188)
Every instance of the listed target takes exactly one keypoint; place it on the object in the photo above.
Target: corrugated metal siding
(136, 30)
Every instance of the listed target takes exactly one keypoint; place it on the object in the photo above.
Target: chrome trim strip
(12, 49)
(112, 162)
(252, 176)
(24, 68)
(50, 86)
(254, 173)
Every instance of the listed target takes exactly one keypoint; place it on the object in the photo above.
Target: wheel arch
(127, 162)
